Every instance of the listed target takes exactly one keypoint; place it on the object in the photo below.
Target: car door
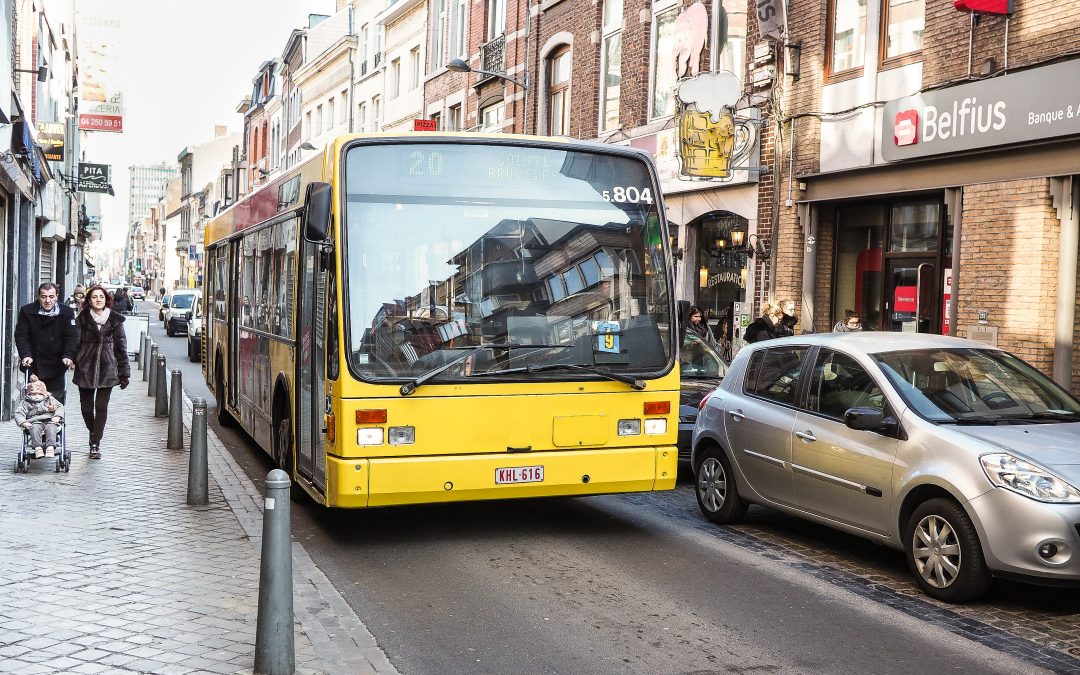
(760, 420)
(841, 473)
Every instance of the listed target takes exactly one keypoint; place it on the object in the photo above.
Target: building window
(610, 65)
(361, 115)
(414, 68)
(395, 78)
(846, 44)
(496, 24)
(559, 92)
(376, 112)
(663, 62)
(330, 117)
(438, 27)
(457, 28)
(902, 28)
(307, 125)
(363, 46)
(437, 119)
(732, 57)
(491, 116)
(453, 122)
(344, 105)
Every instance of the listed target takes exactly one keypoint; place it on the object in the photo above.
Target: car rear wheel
(169, 330)
(717, 495)
(944, 553)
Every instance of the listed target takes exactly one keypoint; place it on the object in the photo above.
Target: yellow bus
(432, 317)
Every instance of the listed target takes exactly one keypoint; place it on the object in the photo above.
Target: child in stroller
(41, 418)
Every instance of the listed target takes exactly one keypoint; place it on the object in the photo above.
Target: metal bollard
(274, 652)
(151, 365)
(161, 405)
(198, 492)
(176, 413)
(144, 356)
(139, 354)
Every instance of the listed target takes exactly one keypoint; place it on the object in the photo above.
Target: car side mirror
(871, 419)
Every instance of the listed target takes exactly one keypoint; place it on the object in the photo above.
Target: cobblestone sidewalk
(106, 569)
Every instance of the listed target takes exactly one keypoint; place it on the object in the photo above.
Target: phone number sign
(92, 122)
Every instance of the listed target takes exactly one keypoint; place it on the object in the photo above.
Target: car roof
(876, 342)
(186, 291)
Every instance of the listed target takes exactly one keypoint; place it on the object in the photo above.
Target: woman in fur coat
(101, 362)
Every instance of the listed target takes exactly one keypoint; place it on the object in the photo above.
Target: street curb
(344, 643)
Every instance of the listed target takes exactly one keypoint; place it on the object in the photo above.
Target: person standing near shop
(786, 327)
(698, 326)
(764, 327)
(46, 339)
(101, 362)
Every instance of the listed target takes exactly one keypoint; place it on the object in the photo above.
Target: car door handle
(736, 415)
(806, 436)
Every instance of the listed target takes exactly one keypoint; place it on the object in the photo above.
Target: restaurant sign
(1029, 105)
(94, 178)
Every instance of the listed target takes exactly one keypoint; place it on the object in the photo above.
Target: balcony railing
(363, 68)
(493, 55)
(378, 59)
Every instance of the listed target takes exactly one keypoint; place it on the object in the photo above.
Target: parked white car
(181, 303)
(194, 332)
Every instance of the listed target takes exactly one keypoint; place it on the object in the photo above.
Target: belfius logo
(906, 128)
(965, 118)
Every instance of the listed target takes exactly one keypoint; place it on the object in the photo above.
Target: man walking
(46, 338)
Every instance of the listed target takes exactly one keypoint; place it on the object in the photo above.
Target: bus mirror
(317, 212)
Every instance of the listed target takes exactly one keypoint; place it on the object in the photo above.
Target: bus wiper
(595, 370)
(410, 387)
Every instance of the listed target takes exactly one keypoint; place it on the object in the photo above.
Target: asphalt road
(632, 583)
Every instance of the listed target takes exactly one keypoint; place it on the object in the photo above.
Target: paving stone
(141, 582)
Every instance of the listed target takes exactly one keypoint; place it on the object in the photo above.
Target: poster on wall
(101, 103)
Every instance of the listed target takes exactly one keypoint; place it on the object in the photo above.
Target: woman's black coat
(102, 359)
(760, 329)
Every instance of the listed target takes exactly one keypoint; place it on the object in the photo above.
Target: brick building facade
(929, 146)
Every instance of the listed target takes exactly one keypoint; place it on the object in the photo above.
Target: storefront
(967, 223)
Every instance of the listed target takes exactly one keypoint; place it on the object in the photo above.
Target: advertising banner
(94, 178)
(772, 19)
(101, 103)
(51, 140)
(1030, 105)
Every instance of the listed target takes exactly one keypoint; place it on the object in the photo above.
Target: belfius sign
(1029, 105)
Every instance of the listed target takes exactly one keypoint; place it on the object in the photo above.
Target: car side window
(776, 375)
(839, 383)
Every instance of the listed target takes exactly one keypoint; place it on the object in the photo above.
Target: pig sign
(691, 29)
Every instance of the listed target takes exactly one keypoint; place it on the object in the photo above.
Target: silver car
(959, 454)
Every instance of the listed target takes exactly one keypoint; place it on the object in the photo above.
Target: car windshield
(183, 301)
(976, 386)
(556, 255)
(699, 360)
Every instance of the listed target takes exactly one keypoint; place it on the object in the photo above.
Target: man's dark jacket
(46, 339)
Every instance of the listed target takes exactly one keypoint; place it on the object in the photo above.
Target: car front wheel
(943, 552)
(717, 495)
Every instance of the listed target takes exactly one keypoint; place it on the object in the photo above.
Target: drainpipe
(352, 73)
(1066, 193)
(807, 219)
(954, 207)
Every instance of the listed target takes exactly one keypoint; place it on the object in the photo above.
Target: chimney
(220, 130)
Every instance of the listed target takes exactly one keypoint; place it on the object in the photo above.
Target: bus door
(311, 355)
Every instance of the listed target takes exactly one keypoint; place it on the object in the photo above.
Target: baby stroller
(26, 452)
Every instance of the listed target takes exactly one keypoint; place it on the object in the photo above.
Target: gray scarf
(55, 311)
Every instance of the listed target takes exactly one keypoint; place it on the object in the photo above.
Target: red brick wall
(1008, 265)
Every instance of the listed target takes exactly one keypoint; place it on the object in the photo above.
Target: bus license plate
(520, 474)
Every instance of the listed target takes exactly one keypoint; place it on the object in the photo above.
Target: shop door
(912, 295)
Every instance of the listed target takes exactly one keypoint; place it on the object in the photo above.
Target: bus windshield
(554, 256)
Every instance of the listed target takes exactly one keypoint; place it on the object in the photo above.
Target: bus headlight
(401, 435)
(629, 427)
(369, 436)
(655, 427)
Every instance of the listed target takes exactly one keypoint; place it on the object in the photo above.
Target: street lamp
(42, 72)
(460, 66)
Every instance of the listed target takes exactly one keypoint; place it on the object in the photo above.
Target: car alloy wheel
(944, 553)
(717, 496)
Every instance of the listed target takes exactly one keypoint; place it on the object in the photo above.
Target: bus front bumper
(359, 483)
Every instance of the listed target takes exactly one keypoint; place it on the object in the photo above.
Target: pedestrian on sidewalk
(122, 302)
(852, 323)
(78, 297)
(764, 327)
(41, 414)
(46, 339)
(786, 327)
(101, 362)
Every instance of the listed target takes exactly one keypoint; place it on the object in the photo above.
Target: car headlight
(1028, 479)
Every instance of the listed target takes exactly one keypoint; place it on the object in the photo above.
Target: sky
(184, 67)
